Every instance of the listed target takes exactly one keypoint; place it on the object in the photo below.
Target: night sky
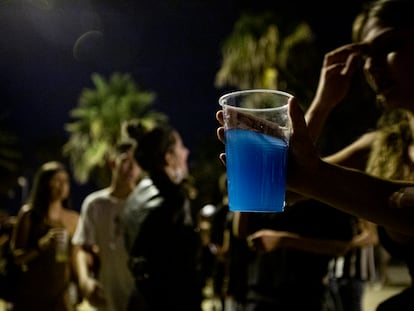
(171, 48)
(48, 56)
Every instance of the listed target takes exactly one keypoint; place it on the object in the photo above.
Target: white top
(100, 224)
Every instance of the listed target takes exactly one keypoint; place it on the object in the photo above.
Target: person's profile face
(126, 167)
(180, 152)
(389, 63)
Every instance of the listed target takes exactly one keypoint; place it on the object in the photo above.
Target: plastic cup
(62, 245)
(257, 133)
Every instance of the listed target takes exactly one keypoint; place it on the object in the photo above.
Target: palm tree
(249, 54)
(99, 118)
(280, 52)
(264, 52)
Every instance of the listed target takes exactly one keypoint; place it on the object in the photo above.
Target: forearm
(318, 246)
(81, 265)
(316, 116)
(357, 193)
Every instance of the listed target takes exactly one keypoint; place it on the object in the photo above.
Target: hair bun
(135, 129)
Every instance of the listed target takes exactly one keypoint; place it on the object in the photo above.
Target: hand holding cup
(257, 132)
(61, 240)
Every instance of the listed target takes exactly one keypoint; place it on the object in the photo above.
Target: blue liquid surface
(256, 171)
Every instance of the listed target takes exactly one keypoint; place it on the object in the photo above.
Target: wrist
(288, 239)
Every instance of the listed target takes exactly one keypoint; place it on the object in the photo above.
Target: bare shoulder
(23, 219)
(24, 209)
(355, 154)
(70, 220)
(366, 140)
(24, 213)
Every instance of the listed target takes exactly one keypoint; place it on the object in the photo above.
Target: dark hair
(124, 146)
(152, 145)
(120, 148)
(393, 13)
(390, 13)
(40, 194)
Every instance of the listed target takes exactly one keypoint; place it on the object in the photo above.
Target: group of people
(135, 245)
(371, 178)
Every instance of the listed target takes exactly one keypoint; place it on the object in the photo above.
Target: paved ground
(397, 280)
(372, 298)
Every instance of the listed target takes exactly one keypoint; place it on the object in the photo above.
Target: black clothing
(405, 299)
(291, 279)
(164, 246)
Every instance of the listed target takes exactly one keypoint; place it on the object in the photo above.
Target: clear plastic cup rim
(231, 94)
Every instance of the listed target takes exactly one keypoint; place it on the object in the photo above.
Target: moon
(89, 47)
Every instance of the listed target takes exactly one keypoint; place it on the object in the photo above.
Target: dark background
(172, 48)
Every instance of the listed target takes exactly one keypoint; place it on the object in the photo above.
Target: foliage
(99, 117)
(260, 54)
(280, 52)
(249, 54)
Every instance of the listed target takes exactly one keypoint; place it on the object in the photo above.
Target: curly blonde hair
(389, 156)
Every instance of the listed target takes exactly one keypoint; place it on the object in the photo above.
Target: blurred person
(292, 251)
(386, 48)
(161, 231)
(45, 280)
(108, 286)
(219, 243)
(231, 255)
(385, 39)
(386, 202)
(8, 270)
(349, 273)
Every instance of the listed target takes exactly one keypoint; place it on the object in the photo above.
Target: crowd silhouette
(143, 242)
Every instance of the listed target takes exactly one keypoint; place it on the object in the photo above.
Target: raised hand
(337, 71)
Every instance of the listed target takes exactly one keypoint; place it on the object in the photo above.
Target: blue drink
(256, 171)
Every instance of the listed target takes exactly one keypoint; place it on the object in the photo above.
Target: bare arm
(335, 79)
(22, 253)
(90, 287)
(268, 240)
(354, 155)
(349, 190)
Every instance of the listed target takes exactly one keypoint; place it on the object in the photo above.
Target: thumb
(297, 118)
(303, 158)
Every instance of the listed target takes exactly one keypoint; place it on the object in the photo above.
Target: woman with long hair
(44, 222)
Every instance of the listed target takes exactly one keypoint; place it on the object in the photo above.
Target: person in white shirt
(107, 283)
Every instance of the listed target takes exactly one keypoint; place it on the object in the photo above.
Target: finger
(222, 158)
(220, 134)
(297, 117)
(303, 157)
(342, 53)
(219, 117)
(351, 65)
